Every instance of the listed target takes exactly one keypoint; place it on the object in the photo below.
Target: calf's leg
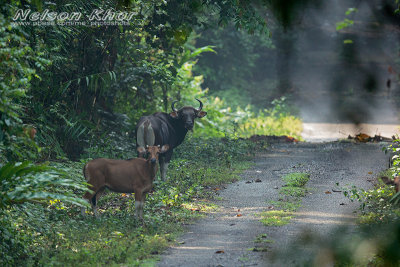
(92, 199)
(139, 202)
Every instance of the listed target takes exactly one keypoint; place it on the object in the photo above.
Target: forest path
(225, 239)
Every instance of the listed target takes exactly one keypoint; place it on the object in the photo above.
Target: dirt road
(225, 239)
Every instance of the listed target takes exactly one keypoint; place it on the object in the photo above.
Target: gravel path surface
(225, 239)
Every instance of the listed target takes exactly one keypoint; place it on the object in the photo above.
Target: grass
(293, 190)
(292, 205)
(296, 179)
(294, 186)
(262, 238)
(276, 217)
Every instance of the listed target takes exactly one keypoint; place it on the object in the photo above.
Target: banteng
(123, 176)
(163, 128)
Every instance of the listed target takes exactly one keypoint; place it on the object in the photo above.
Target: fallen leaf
(328, 192)
(216, 189)
(369, 172)
(238, 209)
(219, 252)
(239, 215)
(362, 137)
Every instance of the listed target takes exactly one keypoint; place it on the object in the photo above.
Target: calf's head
(187, 114)
(153, 152)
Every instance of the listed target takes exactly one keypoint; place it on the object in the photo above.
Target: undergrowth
(55, 234)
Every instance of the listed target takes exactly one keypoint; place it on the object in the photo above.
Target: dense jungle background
(70, 93)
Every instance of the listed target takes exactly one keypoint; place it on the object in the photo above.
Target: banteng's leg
(164, 161)
(163, 170)
(92, 199)
(139, 201)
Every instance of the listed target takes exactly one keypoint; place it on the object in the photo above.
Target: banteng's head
(187, 114)
(153, 152)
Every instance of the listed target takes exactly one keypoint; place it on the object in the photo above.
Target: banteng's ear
(141, 150)
(164, 148)
(174, 114)
(201, 114)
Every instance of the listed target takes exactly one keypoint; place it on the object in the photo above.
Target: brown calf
(123, 176)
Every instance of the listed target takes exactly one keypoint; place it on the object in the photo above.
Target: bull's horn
(173, 105)
(201, 105)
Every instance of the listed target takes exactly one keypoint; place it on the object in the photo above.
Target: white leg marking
(164, 168)
(139, 209)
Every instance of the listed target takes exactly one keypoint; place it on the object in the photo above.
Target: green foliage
(223, 120)
(22, 184)
(346, 22)
(27, 182)
(394, 170)
(238, 66)
(16, 58)
(375, 201)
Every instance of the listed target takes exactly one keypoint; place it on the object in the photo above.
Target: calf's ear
(141, 150)
(201, 114)
(174, 114)
(164, 148)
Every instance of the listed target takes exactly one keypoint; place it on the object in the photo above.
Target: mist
(330, 75)
(345, 75)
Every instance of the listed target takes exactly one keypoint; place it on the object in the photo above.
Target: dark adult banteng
(162, 128)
